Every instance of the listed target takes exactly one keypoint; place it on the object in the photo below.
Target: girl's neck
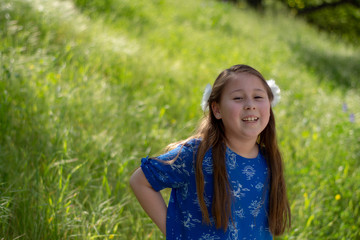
(247, 149)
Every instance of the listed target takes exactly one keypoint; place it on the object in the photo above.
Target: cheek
(268, 116)
(227, 108)
(233, 111)
(266, 112)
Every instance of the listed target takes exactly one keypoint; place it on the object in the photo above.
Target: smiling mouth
(250, 119)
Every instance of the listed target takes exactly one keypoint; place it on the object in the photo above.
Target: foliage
(340, 17)
(87, 88)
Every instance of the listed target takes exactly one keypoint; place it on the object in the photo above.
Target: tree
(340, 17)
(313, 8)
(257, 4)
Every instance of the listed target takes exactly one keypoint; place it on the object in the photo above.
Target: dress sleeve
(162, 172)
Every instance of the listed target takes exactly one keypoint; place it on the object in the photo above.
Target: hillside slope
(87, 88)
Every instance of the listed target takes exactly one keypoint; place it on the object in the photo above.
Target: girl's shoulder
(180, 150)
(192, 143)
(189, 146)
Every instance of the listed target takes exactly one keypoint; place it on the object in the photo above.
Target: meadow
(88, 88)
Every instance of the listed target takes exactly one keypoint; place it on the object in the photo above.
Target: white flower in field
(205, 98)
(275, 91)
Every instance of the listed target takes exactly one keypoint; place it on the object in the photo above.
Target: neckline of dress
(257, 156)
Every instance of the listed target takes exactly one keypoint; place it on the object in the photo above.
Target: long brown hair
(211, 131)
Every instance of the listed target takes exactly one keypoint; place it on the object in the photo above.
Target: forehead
(244, 82)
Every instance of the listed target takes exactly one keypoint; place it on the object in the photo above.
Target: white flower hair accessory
(205, 98)
(275, 91)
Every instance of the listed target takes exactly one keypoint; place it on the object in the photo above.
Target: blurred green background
(89, 87)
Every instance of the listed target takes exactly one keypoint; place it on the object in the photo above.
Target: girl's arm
(150, 200)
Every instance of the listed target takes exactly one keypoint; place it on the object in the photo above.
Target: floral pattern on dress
(249, 188)
(238, 190)
(255, 207)
(189, 221)
(249, 171)
(208, 165)
(231, 159)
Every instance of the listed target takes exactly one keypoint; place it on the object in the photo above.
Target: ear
(216, 110)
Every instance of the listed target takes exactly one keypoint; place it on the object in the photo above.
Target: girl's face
(244, 107)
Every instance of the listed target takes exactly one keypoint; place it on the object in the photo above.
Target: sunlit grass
(86, 90)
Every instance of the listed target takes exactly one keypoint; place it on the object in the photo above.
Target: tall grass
(87, 88)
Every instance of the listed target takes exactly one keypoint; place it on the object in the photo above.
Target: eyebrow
(242, 90)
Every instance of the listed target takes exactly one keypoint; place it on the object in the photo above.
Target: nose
(249, 105)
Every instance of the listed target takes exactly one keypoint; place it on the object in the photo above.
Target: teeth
(250, 119)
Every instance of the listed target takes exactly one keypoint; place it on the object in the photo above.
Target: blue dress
(250, 189)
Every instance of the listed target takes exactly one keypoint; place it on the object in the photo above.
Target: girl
(227, 180)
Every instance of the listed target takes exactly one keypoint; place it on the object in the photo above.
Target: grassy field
(88, 88)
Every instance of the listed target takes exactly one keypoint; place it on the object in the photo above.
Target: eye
(258, 97)
(237, 98)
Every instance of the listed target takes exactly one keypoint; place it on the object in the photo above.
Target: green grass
(87, 88)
